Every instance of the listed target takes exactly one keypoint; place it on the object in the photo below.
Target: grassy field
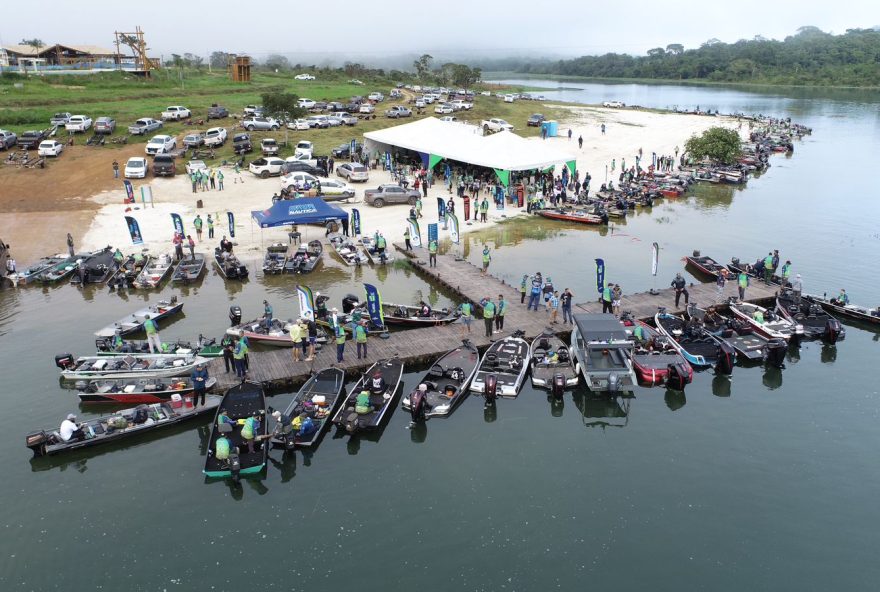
(126, 98)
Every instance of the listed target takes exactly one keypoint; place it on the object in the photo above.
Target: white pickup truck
(216, 136)
(495, 125)
(176, 112)
(78, 123)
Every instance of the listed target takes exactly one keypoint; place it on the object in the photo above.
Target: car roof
(136, 159)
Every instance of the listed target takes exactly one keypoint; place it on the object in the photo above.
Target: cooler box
(319, 400)
(176, 401)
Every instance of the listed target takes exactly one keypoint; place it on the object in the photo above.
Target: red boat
(571, 215)
(135, 391)
(653, 356)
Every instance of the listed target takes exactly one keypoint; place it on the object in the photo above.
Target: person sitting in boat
(283, 426)
(304, 426)
(842, 299)
(639, 334)
(758, 316)
(117, 344)
(70, 431)
(378, 384)
(713, 317)
(223, 417)
(424, 309)
(363, 405)
(226, 245)
(552, 357)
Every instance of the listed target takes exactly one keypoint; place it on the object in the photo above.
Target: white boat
(603, 351)
(135, 321)
(773, 326)
(544, 369)
(155, 272)
(503, 368)
(131, 366)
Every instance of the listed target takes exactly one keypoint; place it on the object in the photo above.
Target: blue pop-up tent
(307, 210)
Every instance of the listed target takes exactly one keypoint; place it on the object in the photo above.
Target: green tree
(220, 59)
(35, 43)
(423, 66)
(719, 144)
(282, 106)
(277, 62)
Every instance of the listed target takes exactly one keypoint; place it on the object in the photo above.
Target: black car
(301, 167)
(535, 120)
(241, 143)
(335, 106)
(344, 150)
(30, 140)
(217, 112)
(164, 166)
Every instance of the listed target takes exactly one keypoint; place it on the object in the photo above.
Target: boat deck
(276, 369)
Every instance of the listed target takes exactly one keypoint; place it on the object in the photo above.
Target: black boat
(96, 268)
(446, 383)
(700, 348)
(316, 399)
(381, 382)
(275, 258)
(131, 268)
(189, 270)
(817, 323)
(754, 270)
(740, 335)
(229, 265)
(122, 424)
(305, 258)
(850, 311)
(706, 266)
(239, 403)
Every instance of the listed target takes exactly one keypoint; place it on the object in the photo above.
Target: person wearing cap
(340, 342)
(268, 313)
(378, 384)
(69, 431)
(842, 298)
(249, 430)
(199, 378)
(360, 338)
(487, 258)
(488, 314)
(680, 288)
(153, 339)
(535, 294)
(283, 427)
(796, 288)
(296, 336)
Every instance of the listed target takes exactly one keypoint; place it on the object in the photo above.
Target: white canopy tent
(436, 140)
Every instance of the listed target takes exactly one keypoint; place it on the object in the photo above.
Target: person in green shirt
(786, 272)
(467, 315)
(239, 351)
(522, 289)
(768, 268)
(153, 339)
(487, 258)
(363, 405)
(500, 309)
(742, 283)
(406, 237)
(340, 343)
(220, 180)
(432, 253)
(418, 208)
(210, 222)
(360, 338)
(198, 224)
(295, 331)
(607, 300)
(488, 314)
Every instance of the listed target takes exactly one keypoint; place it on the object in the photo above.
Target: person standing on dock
(360, 338)
(720, 283)
(499, 314)
(199, 378)
(565, 300)
(522, 288)
(313, 336)
(768, 268)
(616, 295)
(432, 253)
(220, 180)
(152, 331)
(340, 343)
(467, 315)
(606, 300)
(553, 307)
(488, 314)
(487, 258)
(680, 288)
(210, 222)
(227, 344)
(743, 283)
(406, 236)
(535, 294)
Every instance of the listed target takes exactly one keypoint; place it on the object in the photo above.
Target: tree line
(810, 57)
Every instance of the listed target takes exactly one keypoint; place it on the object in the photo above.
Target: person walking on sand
(616, 295)
(192, 247)
(210, 226)
(198, 225)
(603, 129)
(487, 258)
(569, 134)
(418, 208)
(220, 180)
(115, 169)
(580, 142)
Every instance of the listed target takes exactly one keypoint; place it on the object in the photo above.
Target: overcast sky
(362, 31)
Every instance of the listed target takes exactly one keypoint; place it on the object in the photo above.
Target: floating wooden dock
(276, 369)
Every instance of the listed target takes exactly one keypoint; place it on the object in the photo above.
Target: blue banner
(356, 221)
(306, 302)
(387, 160)
(374, 305)
(129, 190)
(432, 232)
(178, 224)
(600, 275)
(231, 217)
(134, 230)
(441, 208)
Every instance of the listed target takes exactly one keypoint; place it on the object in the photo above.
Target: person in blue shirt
(535, 293)
(199, 378)
(267, 315)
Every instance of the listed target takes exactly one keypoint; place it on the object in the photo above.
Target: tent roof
(298, 211)
(465, 143)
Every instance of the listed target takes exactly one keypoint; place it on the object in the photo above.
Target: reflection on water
(602, 410)
(772, 378)
(675, 400)
(721, 385)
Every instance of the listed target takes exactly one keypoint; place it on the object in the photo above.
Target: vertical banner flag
(129, 191)
(453, 228)
(467, 208)
(387, 160)
(178, 223)
(655, 258)
(146, 195)
(231, 217)
(374, 305)
(134, 230)
(432, 232)
(356, 221)
(306, 301)
(600, 275)
(441, 208)
(352, 146)
(415, 237)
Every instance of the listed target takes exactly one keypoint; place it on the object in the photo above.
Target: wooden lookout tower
(240, 68)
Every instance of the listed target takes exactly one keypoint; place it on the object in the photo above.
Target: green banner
(572, 165)
(433, 159)
(503, 176)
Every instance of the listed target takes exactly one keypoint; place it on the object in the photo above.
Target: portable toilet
(552, 128)
(545, 128)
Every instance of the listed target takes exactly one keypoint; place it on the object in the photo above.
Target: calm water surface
(766, 482)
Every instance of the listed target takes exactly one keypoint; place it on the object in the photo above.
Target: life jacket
(248, 429)
(606, 294)
(466, 309)
(363, 405)
(432, 247)
(486, 257)
(340, 336)
(221, 448)
(150, 327)
(489, 310)
(360, 334)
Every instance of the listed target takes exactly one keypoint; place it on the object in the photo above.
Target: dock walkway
(276, 368)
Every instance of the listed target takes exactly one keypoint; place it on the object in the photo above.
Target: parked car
(347, 118)
(304, 77)
(298, 124)
(335, 106)
(462, 105)
(160, 145)
(255, 110)
(367, 109)
(193, 140)
(60, 119)
(299, 180)
(376, 96)
(335, 187)
(449, 118)
(352, 171)
(355, 81)
(306, 103)
(216, 136)
(390, 194)
(176, 113)
(241, 143)
(269, 147)
(164, 165)
(50, 148)
(535, 120)
(351, 107)
(30, 140)
(7, 139)
(318, 121)
(509, 98)
(105, 125)
(304, 148)
(616, 104)
(260, 123)
(301, 166)
(78, 123)
(395, 93)
(136, 168)
(444, 109)
(420, 103)
(398, 111)
(344, 150)
(266, 167)
(496, 125)
(144, 126)
(217, 112)
(333, 121)
(195, 165)
(318, 106)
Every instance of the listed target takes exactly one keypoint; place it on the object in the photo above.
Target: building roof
(27, 50)
(465, 143)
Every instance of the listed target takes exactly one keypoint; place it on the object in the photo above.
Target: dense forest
(810, 57)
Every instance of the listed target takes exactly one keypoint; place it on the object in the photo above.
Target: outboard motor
(490, 388)
(696, 253)
(557, 386)
(832, 330)
(677, 376)
(726, 359)
(417, 407)
(776, 349)
(234, 316)
(352, 421)
(735, 262)
(613, 382)
(64, 361)
(349, 303)
(235, 464)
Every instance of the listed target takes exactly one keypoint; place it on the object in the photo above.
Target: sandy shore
(626, 132)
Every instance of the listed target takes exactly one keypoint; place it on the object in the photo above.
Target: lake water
(765, 482)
